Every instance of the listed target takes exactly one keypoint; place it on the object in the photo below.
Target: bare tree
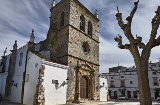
(140, 58)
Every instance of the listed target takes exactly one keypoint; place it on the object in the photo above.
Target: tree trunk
(143, 82)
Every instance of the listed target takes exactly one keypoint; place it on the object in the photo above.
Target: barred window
(90, 28)
(62, 19)
(20, 60)
(82, 23)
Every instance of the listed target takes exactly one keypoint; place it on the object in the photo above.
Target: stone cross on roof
(5, 51)
(53, 3)
(32, 36)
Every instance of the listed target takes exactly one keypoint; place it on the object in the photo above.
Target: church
(62, 68)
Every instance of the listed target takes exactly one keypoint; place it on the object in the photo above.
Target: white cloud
(18, 18)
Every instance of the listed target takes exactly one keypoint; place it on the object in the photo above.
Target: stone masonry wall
(76, 10)
(75, 49)
(39, 98)
(11, 71)
(57, 37)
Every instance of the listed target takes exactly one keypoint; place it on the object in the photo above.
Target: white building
(103, 89)
(123, 81)
(28, 77)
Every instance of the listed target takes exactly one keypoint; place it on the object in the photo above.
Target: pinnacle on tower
(32, 37)
(53, 3)
(15, 45)
(5, 51)
(96, 13)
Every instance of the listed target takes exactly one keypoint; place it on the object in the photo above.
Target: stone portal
(85, 80)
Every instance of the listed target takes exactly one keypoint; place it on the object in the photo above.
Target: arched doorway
(83, 87)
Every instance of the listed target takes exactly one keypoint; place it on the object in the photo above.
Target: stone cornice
(79, 59)
(54, 64)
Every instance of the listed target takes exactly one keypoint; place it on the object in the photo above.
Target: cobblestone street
(117, 102)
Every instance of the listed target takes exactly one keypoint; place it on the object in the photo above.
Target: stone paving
(8, 103)
(117, 102)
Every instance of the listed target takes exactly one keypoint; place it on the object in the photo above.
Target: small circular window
(86, 47)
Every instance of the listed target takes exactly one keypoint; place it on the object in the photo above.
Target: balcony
(122, 85)
(155, 84)
(112, 85)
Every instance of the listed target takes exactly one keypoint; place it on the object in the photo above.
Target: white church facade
(62, 68)
(35, 79)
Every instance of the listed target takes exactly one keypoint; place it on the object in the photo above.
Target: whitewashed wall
(152, 87)
(31, 80)
(103, 89)
(18, 76)
(3, 77)
(58, 72)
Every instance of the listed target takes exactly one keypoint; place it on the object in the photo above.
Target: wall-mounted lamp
(65, 82)
(15, 84)
(55, 81)
(12, 82)
(103, 84)
(67, 79)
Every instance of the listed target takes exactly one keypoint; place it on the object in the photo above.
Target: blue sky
(19, 17)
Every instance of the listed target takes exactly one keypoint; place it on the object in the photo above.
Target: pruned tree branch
(155, 25)
(120, 45)
(127, 27)
(129, 18)
(157, 42)
(139, 42)
(119, 18)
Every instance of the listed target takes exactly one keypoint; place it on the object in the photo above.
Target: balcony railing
(155, 84)
(112, 85)
(122, 85)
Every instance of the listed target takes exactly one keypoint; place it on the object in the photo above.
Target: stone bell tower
(73, 39)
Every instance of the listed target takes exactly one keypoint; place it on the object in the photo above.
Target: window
(20, 60)
(86, 47)
(90, 28)
(112, 84)
(3, 68)
(82, 23)
(109, 92)
(155, 81)
(131, 82)
(62, 19)
(122, 84)
(122, 76)
(154, 73)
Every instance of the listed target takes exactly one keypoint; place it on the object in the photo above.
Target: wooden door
(129, 94)
(83, 87)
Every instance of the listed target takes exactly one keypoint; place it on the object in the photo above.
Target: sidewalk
(8, 103)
